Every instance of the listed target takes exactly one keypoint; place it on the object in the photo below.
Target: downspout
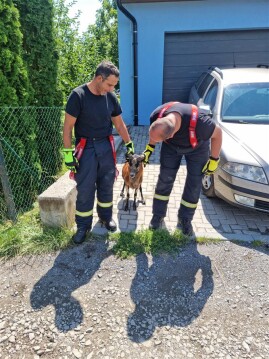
(131, 17)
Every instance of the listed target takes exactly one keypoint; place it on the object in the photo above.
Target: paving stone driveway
(213, 217)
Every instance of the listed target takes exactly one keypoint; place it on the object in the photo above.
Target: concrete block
(57, 203)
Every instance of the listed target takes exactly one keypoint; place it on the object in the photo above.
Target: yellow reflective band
(188, 204)
(104, 205)
(84, 214)
(161, 198)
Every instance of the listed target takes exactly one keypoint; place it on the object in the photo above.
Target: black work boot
(184, 224)
(110, 225)
(80, 235)
(156, 222)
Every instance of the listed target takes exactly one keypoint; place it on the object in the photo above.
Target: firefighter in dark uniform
(92, 109)
(184, 131)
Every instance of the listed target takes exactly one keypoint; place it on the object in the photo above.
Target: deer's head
(135, 163)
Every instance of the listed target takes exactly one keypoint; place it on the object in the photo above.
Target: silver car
(238, 100)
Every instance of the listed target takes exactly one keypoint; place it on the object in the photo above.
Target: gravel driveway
(207, 301)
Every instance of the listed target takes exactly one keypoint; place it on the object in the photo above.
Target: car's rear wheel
(208, 186)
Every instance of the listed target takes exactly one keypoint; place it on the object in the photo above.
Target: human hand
(211, 166)
(129, 149)
(147, 153)
(70, 160)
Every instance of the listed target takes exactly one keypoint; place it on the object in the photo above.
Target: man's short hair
(107, 68)
(164, 126)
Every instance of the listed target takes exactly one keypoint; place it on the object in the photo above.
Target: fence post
(7, 188)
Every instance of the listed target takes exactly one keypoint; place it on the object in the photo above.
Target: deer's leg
(135, 196)
(127, 199)
(142, 197)
(122, 191)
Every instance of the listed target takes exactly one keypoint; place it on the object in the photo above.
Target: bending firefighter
(184, 131)
(92, 109)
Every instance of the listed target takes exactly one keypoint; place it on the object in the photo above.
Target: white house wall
(153, 20)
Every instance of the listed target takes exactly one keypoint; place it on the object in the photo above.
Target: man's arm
(216, 142)
(212, 164)
(151, 141)
(69, 123)
(121, 128)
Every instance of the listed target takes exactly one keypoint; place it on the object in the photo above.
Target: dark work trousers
(96, 173)
(170, 160)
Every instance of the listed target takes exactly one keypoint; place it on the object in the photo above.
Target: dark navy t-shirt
(93, 112)
(204, 128)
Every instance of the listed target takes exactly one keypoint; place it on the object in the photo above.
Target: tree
(68, 46)
(17, 132)
(80, 55)
(41, 57)
(14, 82)
(40, 53)
(106, 30)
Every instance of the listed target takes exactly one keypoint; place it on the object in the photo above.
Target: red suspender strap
(193, 123)
(111, 140)
(78, 153)
(166, 108)
(80, 148)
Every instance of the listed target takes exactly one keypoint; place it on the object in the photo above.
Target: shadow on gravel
(72, 269)
(172, 291)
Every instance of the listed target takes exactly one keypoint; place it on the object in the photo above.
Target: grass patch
(27, 236)
(257, 243)
(146, 241)
(260, 245)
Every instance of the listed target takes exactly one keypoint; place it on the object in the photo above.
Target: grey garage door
(187, 55)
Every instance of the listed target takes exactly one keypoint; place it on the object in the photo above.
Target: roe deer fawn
(132, 174)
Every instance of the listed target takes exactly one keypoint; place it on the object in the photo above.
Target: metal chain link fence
(30, 155)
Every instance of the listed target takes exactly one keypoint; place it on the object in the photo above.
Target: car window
(204, 85)
(247, 102)
(210, 98)
(200, 80)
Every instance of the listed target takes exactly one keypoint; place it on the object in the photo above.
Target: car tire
(208, 186)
